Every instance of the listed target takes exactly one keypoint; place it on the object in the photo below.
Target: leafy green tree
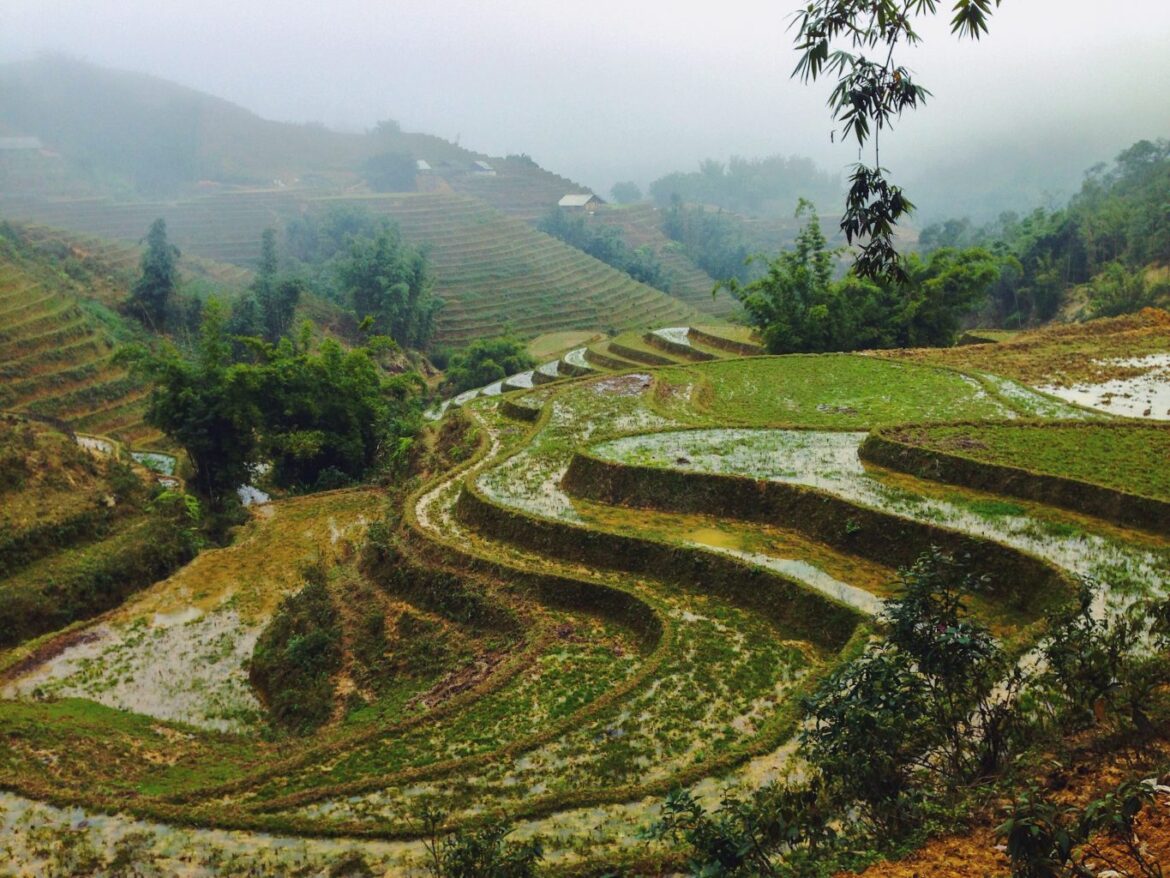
(320, 418)
(202, 404)
(387, 281)
(1118, 290)
(932, 706)
(843, 38)
(712, 240)
(327, 416)
(626, 192)
(746, 836)
(151, 295)
(799, 307)
(390, 172)
(486, 360)
(268, 307)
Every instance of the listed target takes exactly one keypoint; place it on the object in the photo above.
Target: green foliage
(744, 836)
(932, 706)
(477, 853)
(296, 655)
(1114, 228)
(268, 308)
(867, 97)
(203, 405)
(1099, 668)
(312, 415)
(150, 297)
(1048, 840)
(607, 243)
(1117, 290)
(315, 239)
(390, 172)
(486, 360)
(799, 308)
(385, 280)
(626, 192)
(712, 240)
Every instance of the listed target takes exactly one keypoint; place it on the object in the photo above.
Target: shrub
(478, 853)
(296, 655)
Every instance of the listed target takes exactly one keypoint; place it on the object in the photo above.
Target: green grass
(832, 391)
(1127, 457)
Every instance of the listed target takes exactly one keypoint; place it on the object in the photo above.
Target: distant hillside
(115, 132)
(493, 271)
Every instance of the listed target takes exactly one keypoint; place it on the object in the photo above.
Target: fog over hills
(605, 92)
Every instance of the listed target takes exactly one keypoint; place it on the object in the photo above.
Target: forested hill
(1106, 252)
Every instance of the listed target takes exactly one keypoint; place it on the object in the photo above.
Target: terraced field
(622, 591)
(56, 356)
(494, 271)
(641, 226)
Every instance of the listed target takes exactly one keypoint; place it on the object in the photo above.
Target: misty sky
(606, 90)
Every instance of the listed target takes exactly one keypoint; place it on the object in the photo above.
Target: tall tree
(151, 294)
(200, 403)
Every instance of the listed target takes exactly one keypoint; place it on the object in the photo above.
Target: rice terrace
(370, 506)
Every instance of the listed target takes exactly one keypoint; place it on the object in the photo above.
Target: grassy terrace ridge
(1108, 469)
(1127, 457)
(825, 390)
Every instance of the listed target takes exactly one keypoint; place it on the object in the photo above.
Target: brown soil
(48, 651)
(1088, 775)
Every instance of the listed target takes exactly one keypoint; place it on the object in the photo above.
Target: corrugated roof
(577, 199)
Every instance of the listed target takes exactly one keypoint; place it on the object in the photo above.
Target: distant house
(485, 169)
(19, 143)
(422, 166)
(586, 201)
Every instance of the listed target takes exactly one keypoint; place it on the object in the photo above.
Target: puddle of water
(1145, 395)
(251, 496)
(155, 461)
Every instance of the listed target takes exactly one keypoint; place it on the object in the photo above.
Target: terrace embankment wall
(1024, 581)
(805, 613)
(885, 448)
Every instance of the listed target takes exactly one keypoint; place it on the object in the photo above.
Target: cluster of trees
(903, 732)
(268, 307)
(349, 257)
(1107, 237)
(712, 240)
(767, 185)
(799, 307)
(486, 360)
(321, 417)
(607, 243)
(360, 262)
(390, 172)
(156, 299)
